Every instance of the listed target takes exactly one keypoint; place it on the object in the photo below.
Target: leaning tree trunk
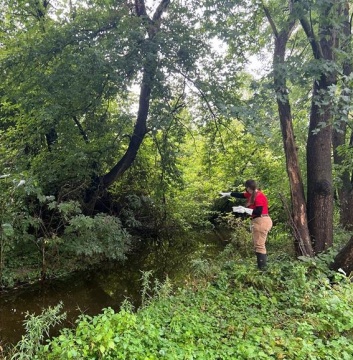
(149, 71)
(140, 129)
(298, 215)
(148, 78)
(344, 259)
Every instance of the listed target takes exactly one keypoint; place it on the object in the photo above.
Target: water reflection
(108, 286)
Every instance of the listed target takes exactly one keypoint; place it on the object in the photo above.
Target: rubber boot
(261, 261)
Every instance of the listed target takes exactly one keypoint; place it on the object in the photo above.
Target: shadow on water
(109, 285)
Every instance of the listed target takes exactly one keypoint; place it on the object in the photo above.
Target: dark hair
(251, 184)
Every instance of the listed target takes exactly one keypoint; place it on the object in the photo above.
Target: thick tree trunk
(344, 259)
(345, 188)
(339, 136)
(298, 214)
(319, 162)
(319, 171)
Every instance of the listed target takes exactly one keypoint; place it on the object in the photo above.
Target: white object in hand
(224, 194)
(248, 211)
(242, 209)
(22, 182)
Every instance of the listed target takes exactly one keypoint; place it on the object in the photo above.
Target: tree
(322, 23)
(319, 164)
(342, 154)
(298, 221)
(88, 58)
(341, 138)
(149, 66)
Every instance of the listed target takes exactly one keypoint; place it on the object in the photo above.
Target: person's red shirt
(260, 200)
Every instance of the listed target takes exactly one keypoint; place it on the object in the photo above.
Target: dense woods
(124, 119)
(127, 117)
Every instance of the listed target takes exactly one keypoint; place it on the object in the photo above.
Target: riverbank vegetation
(226, 310)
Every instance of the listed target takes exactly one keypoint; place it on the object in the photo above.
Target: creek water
(109, 285)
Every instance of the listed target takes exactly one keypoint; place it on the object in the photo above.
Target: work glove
(242, 210)
(224, 194)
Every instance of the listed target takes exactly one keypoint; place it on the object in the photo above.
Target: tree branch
(80, 128)
(160, 10)
(270, 20)
(140, 8)
(312, 38)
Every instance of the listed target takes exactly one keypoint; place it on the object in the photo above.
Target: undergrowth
(230, 310)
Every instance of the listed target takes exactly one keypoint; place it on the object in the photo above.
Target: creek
(109, 285)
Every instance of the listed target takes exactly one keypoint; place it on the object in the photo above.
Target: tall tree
(341, 138)
(150, 63)
(319, 163)
(88, 59)
(322, 23)
(298, 221)
(343, 142)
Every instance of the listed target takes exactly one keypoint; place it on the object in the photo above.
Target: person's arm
(257, 212)
(238, 195)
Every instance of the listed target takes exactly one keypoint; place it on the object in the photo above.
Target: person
(261, 223)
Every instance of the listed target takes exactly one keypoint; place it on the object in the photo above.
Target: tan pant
(260, 228)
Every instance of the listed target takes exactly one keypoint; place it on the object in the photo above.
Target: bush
(97, 237)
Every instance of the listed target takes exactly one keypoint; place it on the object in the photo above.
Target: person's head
(250, 186)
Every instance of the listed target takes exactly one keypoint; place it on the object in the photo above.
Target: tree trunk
(319, 172)
(319, 164)
(345, 188)
(139, 133)
(344, 259)
(140, 128)
(299, 215)
(298, 221)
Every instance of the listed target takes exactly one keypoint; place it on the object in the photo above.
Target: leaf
(7, 229)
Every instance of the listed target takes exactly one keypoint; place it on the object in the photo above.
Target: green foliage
(100, 237)
(37, 329)
(41, 235)
(151, 291)
(68, 123)
(240, 235)
(294, 310)
(66, 109)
